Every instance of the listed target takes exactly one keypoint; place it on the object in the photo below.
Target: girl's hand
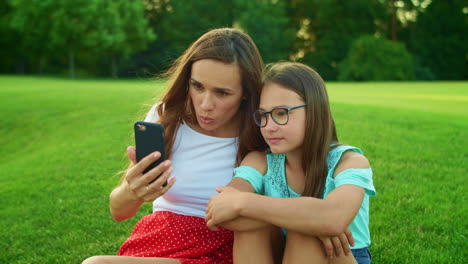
(336, 246)
(222, 207)
(147, 187)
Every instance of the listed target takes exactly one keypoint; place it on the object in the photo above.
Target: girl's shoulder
(351, 160)
(343, 157)
(338, 150)
(256, 160)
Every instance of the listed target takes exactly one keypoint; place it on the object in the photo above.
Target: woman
(213, 87)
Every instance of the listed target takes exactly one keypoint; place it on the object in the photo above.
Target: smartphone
(149, 137)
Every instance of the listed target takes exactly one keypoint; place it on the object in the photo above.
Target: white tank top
(200, 163)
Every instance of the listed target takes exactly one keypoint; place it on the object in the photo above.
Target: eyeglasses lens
(260, 118)
(280, 116)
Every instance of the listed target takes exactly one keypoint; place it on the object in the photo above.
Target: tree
(30, 32)
(401, 13)
(8, 46)
(268, 25)
(300, 14)
(177, 23)
(375, 59)
(120, 30)
(186, 21)
(335, 25)
(89, 28)
(51, 26)
(440, 44)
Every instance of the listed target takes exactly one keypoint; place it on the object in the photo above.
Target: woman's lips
(206, 120)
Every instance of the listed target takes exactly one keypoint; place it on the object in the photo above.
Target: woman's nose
(207, 102)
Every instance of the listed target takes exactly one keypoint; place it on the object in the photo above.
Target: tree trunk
(71, 64)
(394, 21)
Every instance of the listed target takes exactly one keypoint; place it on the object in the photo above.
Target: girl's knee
(302, 248)
(300, 238)
(263, 245)
(267, 233)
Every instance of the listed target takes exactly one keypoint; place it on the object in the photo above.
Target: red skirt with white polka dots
(186, 238)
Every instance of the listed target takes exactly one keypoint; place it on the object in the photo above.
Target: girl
(326, 185)
(213, 86)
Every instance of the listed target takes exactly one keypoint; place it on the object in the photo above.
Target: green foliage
(102, 38)
(121, 30)
(422, 72)
(177, 24)
(186, 22)
(74, 27)
(61, 150)
(9, 51)
(400, 14)
(31, 21)
(375, 59)
(439, 39)
(335, 25)
(267, 23)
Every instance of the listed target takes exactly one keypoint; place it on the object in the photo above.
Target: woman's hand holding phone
(147, 186)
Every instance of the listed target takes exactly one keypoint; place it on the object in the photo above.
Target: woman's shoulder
(152, 115)
(256, 160)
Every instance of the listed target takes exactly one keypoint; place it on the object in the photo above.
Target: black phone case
(149, 137)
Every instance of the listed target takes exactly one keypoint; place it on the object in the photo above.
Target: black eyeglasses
(279, 114)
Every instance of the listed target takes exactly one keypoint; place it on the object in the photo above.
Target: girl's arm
(329, 217)
(241, 223)
(256, 160)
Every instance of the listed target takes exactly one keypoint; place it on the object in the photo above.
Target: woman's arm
(137, 188)
(329, 217)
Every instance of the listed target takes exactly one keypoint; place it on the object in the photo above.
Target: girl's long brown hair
(228, 46)
(320, 128)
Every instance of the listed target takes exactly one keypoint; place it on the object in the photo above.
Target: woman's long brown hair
(320, 128)
(228, 46)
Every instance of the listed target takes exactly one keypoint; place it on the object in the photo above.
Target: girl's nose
(270, 125)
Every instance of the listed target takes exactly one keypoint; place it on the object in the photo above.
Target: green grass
(62, 143)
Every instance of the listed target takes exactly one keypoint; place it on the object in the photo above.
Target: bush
(375, 59)
(422, 72)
